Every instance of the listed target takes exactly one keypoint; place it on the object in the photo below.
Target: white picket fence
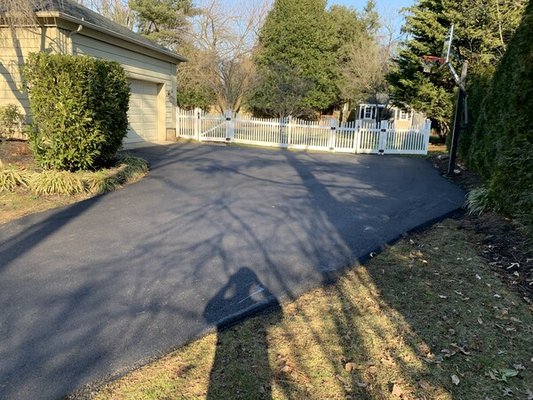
(349, 137)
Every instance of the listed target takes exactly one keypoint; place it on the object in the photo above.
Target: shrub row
(79, 107)
(500, 139)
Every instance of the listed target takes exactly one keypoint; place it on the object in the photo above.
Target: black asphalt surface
(98, 287)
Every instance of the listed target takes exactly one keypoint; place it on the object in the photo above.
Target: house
(66, 27)
(402, 118)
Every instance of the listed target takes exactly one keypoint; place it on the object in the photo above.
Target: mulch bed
(16, 152)
(499, 240)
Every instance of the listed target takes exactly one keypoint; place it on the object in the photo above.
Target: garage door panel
(142, 115)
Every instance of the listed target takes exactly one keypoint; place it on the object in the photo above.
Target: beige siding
(14, 48)
(139, 67)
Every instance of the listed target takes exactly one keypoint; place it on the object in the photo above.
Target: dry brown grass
(426, 319)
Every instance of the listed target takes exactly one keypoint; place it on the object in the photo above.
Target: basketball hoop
(430, 62)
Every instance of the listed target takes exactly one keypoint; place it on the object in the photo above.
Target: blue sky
(388, 9)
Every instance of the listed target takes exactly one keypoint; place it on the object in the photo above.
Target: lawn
(428, 318)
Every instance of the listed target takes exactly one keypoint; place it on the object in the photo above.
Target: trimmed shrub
(79, 107)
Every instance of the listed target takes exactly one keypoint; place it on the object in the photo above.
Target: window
(404, 115)
(367, 112)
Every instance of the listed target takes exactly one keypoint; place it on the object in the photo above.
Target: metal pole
(457, 119)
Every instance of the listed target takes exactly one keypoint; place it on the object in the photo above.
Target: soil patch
(16, 152)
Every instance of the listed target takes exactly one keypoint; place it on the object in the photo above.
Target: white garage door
(142, 115)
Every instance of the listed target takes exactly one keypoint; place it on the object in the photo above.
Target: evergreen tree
(296, 37)
(482, 30)
(163, 21)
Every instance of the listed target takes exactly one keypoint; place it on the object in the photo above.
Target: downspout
(72, 33)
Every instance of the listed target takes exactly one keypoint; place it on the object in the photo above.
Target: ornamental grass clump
(56, 182)
(12, 177)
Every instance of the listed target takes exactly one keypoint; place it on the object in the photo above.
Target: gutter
(83, 23)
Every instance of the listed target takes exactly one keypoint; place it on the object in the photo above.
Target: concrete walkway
(98, 287)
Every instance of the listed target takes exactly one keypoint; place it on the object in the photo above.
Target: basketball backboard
(447, 49)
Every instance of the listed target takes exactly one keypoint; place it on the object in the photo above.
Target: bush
(79, 107)
(500, 144)
(11, 119)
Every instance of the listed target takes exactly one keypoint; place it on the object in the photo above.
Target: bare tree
(367, 60)
(115, 10)
(223, 40)
(20, 12)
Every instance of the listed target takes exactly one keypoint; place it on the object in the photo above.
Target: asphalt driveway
(95, 288)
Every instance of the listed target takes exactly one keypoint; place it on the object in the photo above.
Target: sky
(388, 9)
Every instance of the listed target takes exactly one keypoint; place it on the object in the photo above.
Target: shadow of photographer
(241, 368)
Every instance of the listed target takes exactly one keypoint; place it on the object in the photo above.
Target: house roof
(70, 10)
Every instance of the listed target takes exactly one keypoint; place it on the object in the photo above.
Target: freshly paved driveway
(92, 289)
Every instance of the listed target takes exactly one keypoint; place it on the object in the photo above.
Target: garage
(70, 28)
(143, 112)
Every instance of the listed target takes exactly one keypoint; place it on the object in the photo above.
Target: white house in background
(402, 118)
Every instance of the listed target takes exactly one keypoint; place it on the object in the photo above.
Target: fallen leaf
(286, 369)
(350, 366)
(424, 385)
(479, 320)
(455, 379)
(478, 277)
(461, 349)
(508, 373)
(396, 390)
(519, 367)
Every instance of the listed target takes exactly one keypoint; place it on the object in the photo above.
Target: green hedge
(79, 107)
(500, 143)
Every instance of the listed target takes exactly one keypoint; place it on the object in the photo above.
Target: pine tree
(482, 30)
(163, 21)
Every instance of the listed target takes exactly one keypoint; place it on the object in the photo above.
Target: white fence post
(230, 126)
(357, 136)
(178, 125)
(427, 133)
(332, 134)
(197, 123)
(289, 130)
(383, 126)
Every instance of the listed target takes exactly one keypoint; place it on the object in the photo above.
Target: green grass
(426, 319)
